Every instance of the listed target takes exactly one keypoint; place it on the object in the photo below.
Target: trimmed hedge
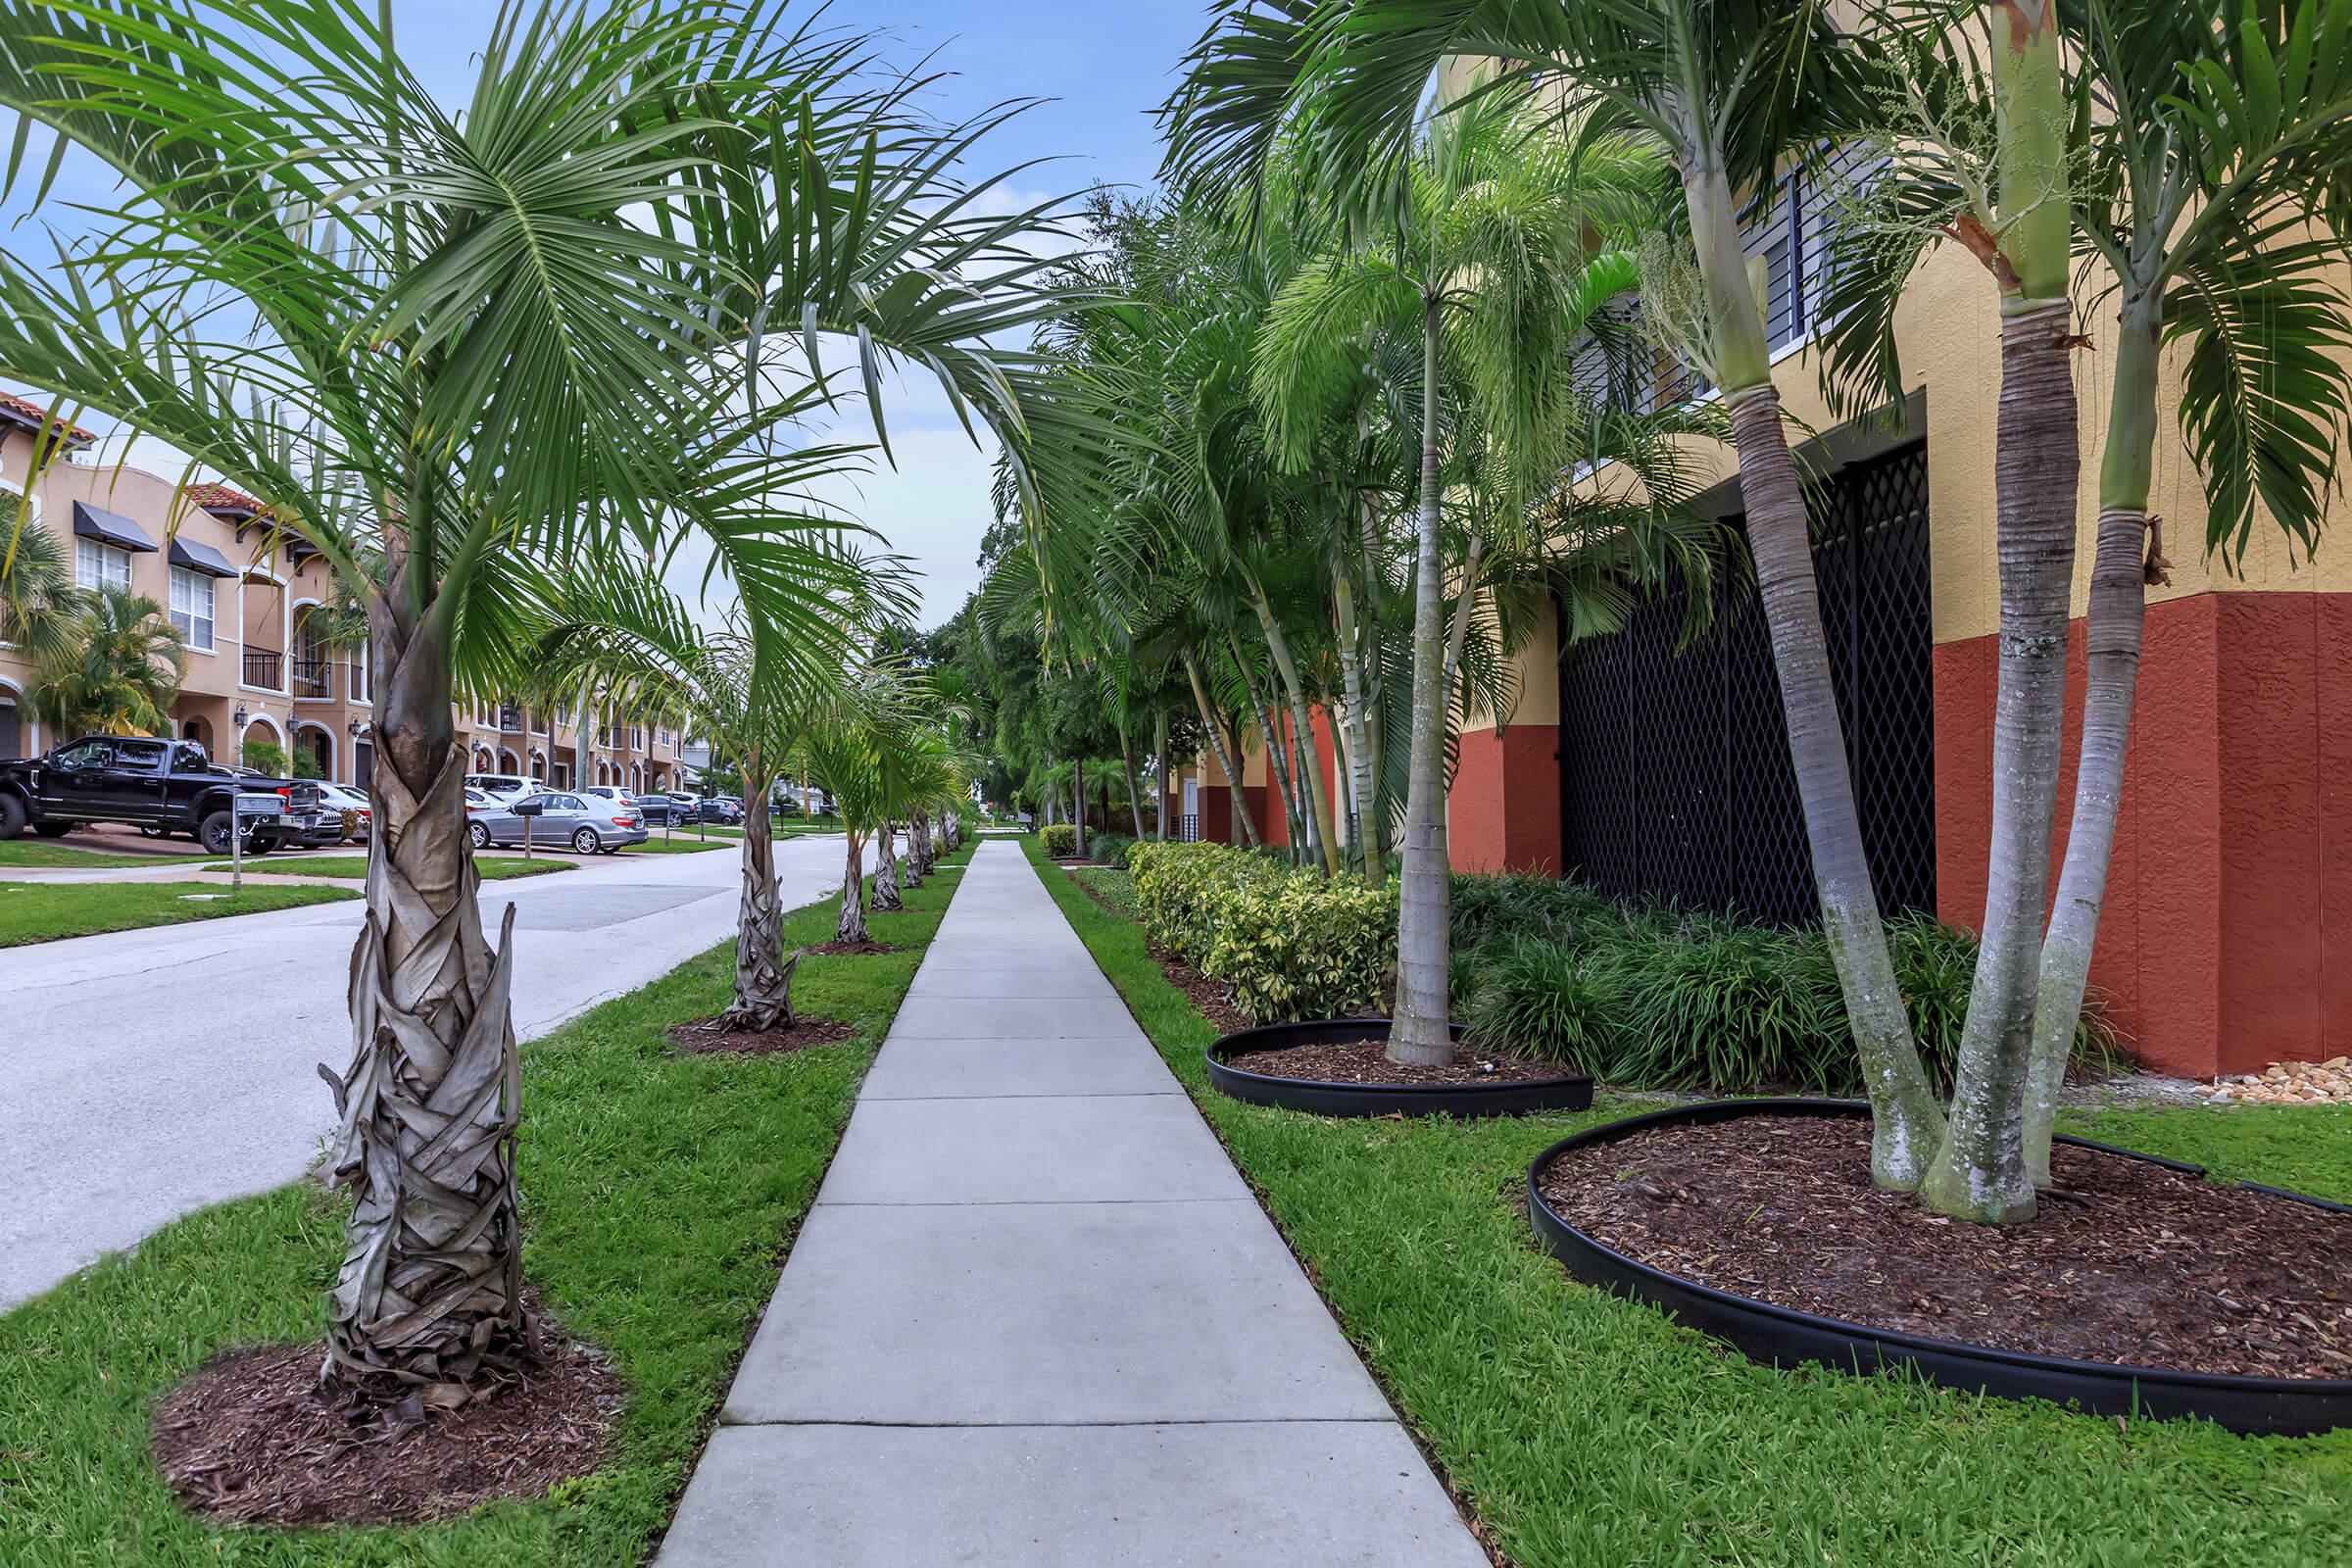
(1648, 995)
(1058, 838)
(1293, 943)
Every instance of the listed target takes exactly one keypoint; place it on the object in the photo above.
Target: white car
(343, 798)
(501, 786)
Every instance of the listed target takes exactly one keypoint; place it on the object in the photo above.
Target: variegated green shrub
(1292, 944)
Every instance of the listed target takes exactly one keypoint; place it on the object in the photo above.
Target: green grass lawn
(685, 843)
(1117, 887)
(48, 911)
(659, 1197)
(493, 868)
(35, 851)
(1592, 1433)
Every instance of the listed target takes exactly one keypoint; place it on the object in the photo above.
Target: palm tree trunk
(1310, 762)
(429, 1295)
(1278, 769)
(762, 974)
(1224, 755)
(1135, 795)
(1980, 1172)
(852, 925)
(1359, 746)
(2121, 574)
(1078, 803)
(1168, 774)
(885, 873)
(1906, 1123)
(1421, 1034)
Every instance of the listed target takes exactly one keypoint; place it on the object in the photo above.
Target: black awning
(197, 555)
(96, 523)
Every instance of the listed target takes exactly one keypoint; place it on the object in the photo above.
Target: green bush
(1292, 944)
(1111, 848)
(1060, 838)
(1649, 995)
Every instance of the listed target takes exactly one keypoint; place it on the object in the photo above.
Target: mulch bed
(2133, 1264)
(1214, 1002)
(862, 946)
(1366, 1061)
(714, 1036)
(250, 1440)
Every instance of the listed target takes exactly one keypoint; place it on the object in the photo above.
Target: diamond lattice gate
(1674, 765)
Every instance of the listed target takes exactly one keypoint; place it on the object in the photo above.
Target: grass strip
(1592, 1433)
(659, 1197)
(50, 912)
(38, 852)
(683, 844)
(493, 868)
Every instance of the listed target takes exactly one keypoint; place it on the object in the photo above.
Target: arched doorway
(260, 728)
(363, 764)
(661, 780)
(539, 766)
(481, 759)
(316, 743)
(506, 763)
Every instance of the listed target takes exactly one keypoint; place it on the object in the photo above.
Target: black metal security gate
(1675, 777)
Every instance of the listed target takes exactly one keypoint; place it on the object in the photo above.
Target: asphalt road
(147, 1073)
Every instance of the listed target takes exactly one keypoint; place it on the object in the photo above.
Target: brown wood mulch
(250, 1440)
(1366, 1061)
(716, 1037)
(2130, 1263)
(1214, 1001)
(863, 945)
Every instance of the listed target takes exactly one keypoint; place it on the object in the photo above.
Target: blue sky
(1102, 64)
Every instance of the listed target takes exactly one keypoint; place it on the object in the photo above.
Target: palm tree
(114, 670)
(39, 606)
(433, 395)
(1490, 253)
(1727, 89)
(2210, 195)
(857, 746)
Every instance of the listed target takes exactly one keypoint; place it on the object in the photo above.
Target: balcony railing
(509, 719)
(1188, 828)
(265, 668)
(314, 677)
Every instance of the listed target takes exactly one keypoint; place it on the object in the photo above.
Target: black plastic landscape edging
(1513, 1098)
(1784, 1337)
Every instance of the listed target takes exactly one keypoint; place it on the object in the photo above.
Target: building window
(191, 607)
(101, 565)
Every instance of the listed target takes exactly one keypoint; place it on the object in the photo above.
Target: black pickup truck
(163, 786)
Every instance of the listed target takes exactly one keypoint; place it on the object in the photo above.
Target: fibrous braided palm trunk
(762, 973)
(886, 872)
(852, 925)
(429, 1295)
(1980, 1172)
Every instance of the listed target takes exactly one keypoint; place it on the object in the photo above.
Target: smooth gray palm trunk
(1168, 775)
(1420, 1034)
(762, 973)
(1135, 795)
(2121, 573)
(429, 1295)
(1359, 740)
(1908, 1125)
(1980, 1172)
(1317, 802)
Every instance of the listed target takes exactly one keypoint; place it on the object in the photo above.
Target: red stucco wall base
(1503, 812)
(2226, 942)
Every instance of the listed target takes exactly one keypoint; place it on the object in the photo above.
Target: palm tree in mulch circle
(569, 324)
(618, 625)
(2210, 182)
(114, 670)
(857, 746)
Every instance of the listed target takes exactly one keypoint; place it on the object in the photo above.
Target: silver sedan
(588, 823)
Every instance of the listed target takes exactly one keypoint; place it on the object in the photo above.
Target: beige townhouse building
(246, 602)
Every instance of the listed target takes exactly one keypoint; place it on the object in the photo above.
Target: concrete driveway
(147, 1073)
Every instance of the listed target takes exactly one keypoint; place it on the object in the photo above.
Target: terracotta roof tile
(222, 498)
(27, 408)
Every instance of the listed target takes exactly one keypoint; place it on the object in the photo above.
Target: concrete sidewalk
(1036, 1319)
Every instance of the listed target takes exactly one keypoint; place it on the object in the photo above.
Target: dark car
(725, 808)
(163, 786)
(659, 811)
